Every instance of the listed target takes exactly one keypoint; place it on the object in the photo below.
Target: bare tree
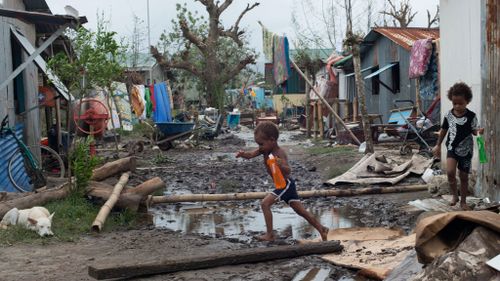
(207, 50)
(434, 20)
(402, 15)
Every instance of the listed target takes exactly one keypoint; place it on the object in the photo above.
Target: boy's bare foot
(265, 237)
(454, 201)
(464, 206)
(324, 233)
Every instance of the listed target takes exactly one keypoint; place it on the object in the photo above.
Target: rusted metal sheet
(490, 172)
(405, 37)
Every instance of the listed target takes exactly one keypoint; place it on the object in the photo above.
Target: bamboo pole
(302, 194)
(326, 103)
(106, 208)
(320, 121)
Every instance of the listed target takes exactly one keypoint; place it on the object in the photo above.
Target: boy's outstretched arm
(248, 154)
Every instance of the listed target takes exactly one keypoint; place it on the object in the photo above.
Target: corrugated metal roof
(44, 22)
(36, 6)
(8, 146)
(405, 37)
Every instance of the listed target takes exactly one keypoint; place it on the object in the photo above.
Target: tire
(51, 166)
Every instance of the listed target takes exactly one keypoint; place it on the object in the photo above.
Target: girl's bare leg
(464, 184)
(451, 171)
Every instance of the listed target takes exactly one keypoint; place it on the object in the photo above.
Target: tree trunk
(302, 194)
(106, 208)
(360, 88)
(113, 168)
(232, 257)
(131, 197)
(34, 199)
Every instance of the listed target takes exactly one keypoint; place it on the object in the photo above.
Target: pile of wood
(119, 195)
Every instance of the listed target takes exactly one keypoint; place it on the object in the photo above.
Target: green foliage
(96, 61)
(82, 163)
(73, 217)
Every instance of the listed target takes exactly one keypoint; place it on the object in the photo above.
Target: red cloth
(152, 95)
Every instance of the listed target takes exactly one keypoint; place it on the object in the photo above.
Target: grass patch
(73, 218)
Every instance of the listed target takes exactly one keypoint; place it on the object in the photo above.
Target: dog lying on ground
(37, 219)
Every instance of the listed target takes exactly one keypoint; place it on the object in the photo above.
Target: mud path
(181, 230)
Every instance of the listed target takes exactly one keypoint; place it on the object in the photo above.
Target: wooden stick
(303, 194)
(322, 99)
(106, 208)
(232, 257)
(113, 168)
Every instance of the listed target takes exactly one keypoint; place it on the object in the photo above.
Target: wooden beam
(232, 257)
(302, 194)
(322, 99)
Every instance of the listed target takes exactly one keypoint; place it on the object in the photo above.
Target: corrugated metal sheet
(405, 37)
(489, 172)
(8, 146)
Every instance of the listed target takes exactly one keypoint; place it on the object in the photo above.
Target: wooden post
(417, 95)
(303, 194)
(231, 257)
(115, 167)
(308, 108)
(320, 120)
(326, 103)
(315, 119)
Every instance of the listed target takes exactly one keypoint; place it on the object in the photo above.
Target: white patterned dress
(460, 144)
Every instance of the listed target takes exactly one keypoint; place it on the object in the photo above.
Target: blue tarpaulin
(162, 111)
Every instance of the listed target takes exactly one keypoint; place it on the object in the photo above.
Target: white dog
(37, 218)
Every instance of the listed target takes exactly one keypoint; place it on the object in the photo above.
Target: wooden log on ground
(130, 198)
(6, 196)
(106, 208)
(302, 194)
(34, 199)
(113, 168)
(208, 261)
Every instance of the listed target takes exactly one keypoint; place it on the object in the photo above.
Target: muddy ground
(184, 230)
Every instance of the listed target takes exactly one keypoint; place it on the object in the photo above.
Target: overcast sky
(275, 14)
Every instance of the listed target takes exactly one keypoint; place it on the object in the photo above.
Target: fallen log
(35, 199)
(208, 261)
(130, 198)
(106, 208)
(113, 168)
(302, 194)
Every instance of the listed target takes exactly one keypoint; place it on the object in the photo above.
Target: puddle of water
(312, 274)
(213, 220)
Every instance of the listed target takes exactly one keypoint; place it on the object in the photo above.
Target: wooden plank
(232, 257)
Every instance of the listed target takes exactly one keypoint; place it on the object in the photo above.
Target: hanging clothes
(267, 40)
(137, 101)
(152, 96)
(121, 99)
(162, 112)
(420, 56)
(281, 60)
(149, 104)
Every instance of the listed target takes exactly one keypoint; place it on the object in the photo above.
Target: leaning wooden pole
(113, 168)
(302, 194)
(232, 257)
(106, 208)
(322, 99)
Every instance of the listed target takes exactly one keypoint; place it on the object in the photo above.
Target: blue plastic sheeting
(8, 146)
(400, 118)
(162, 111)
(381, 70)
(260, 102)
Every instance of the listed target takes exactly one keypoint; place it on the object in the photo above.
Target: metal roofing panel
(362, 70)
(405, 37)
(381, 70)
(8, 146)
